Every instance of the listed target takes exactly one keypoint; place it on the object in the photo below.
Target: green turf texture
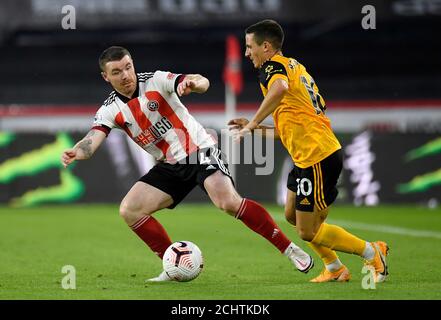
(111, 262)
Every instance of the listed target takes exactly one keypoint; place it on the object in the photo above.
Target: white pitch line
(387, 229)
(382, 228)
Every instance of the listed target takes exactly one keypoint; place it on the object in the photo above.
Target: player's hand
(68, 157)
(239, 128)
(185, 87)
(239, 134)
(237, 124)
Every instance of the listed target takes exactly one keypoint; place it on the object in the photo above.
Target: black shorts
(180, 178)
(316, 185)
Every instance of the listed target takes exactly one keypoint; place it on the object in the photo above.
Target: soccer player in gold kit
(298, 109)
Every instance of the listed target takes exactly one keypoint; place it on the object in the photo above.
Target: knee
(125, 210)
(229, 205)
(306, 235)
(129, 211)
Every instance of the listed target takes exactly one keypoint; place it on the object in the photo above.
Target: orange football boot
(379, 262)
(341, 275)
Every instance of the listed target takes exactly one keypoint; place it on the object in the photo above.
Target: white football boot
(161, 278)
(299, 258)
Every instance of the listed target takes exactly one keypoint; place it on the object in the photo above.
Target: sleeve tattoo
(86, 144)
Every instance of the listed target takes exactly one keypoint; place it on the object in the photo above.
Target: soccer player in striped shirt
(147, 107)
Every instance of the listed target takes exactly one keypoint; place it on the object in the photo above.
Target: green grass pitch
(112, 263)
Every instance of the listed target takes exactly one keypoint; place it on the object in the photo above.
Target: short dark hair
(267, 30)
(113, 53)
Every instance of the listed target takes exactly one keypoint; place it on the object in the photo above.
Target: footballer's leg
(224, 195)
(290, 207)
(143, 199)
(137, 208)
(162, 187)
(222, 192)
(334, 270)
(308, 225)
(310, 218)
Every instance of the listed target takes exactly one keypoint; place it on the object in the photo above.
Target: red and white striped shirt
(155, 119)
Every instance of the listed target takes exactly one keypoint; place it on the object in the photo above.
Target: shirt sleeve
(104, 119)
(270, 71)
(168, 81)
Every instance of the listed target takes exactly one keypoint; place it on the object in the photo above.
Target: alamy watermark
(368, 281)
(369, 21)
(69, 281)
(69, 20)
(253, 149)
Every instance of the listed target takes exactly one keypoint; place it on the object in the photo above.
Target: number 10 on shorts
(304, 186)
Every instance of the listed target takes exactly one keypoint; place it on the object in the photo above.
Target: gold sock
(327, 255)
(337, 238)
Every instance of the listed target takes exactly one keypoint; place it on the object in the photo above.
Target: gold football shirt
(300, 119)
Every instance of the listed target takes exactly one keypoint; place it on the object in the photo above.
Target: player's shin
(255, 217)
(328, 256)
(153, 234)
(337, 238)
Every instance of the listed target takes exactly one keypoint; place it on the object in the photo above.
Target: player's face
(253, 51)
(121, 75)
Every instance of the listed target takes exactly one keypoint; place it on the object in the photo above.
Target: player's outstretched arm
(271, 101)
(84, 148)
(193, 83)
(238, 124)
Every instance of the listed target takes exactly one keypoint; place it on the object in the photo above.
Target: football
(183, 261)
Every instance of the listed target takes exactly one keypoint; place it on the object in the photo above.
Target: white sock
(334, 265)
(292, 246)
(369, 252)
